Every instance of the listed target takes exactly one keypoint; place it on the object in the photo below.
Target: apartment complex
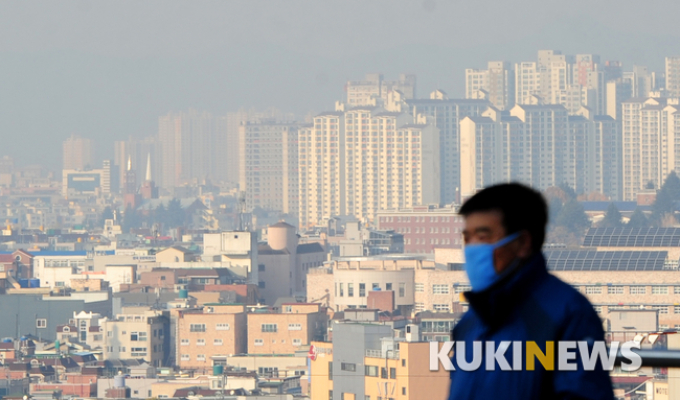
(363, 160)
(540, 145)
(78, 153)
(650, 151)
(673, 76)
(204, 335)
(374, 86)
(445, 114)
(424, 227)
(495, 84)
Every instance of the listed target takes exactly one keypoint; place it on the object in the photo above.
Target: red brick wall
(381, 300)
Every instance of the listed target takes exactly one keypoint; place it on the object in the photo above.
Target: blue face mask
(479, 263)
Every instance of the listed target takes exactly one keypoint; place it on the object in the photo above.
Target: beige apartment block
(139, 336)
(218, 330)
(498, 81)
(269, 165)
(287, 331)
(77, 153)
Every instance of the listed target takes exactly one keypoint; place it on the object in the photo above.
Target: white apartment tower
(651, 133)
(364, 93)
(497, 82)
(363, 160)
(673, 76)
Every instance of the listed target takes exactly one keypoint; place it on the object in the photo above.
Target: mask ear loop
(514, 265)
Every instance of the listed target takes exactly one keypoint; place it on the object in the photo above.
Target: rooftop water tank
(183, 294)
(218, 370)
(119, 381)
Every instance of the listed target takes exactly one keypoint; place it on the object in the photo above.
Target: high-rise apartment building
(78, 153)
(650, 132)
(361, 93)
(617, 91)
(497, 83)
(269, 165)
(673, 76)
(445, 114)
(366, 159)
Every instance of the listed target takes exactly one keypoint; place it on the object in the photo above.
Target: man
(514, 298)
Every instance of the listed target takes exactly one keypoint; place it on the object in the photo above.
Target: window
(294, 327)
(259, 342)
(200, 342)
(403, 362)
(402, 289)
(350, 290)
(330, 395)
(348, 367)
(393, 373)
(342, 289)
(185, 357)
(269, 327)
(388, 286)
(370, 370)
(419, 307)
(260, 268)
(375, 286)
(362, 290)
(593, 290)
(222, 327)
(109, 334)
(440, 289)
(462, 288)
(441, 307)
(383, 373)
(41, 323)
(197, 328)
(420, 287)
(185, 342)
(659, 289)
(260, 285)
(138, 351)
(637, 289)
(676, 289)
(403, 390)
(297, 342)
(615, 290)
(217, 342)
(138, 336)
(330, 373)
(662, 309)
(200, 357)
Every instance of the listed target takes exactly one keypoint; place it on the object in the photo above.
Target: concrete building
(90, 182)
(213, 333)
(617, 91)
(139, 336)
(238, 249)
(364, 361)
(424, 227)
(649, 131)
(269, 165)
(497, 81)
(78, 153)
(373, 87)
(287, 331)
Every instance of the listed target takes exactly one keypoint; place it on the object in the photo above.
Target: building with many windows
(137, 336)
(287, 331)
(497, 82)
(374, 87)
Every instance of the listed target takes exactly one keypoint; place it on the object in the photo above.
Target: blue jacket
(529, 305)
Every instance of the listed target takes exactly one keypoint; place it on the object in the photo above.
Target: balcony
(390, 354)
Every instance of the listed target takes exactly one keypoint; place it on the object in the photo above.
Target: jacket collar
(495, 304)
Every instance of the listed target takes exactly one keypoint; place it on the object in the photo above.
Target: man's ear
(525, 245)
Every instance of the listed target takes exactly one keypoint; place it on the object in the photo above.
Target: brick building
(425, 227)
(216, 330)
(297, 325)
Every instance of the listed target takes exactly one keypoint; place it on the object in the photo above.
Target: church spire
(148, 168)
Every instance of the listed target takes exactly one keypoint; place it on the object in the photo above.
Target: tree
(106, 214)
(571, 194)
(612, 218)
(176, 214)
(666, 199)
(573, 217)
(130, 220)
(637, 220)
(649, 185)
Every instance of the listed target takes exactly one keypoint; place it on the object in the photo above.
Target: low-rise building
(287, 331)
(140, 336)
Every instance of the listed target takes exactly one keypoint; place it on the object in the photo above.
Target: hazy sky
(108, 69)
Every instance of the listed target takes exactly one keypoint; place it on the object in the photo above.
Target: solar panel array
(591, 260)
(632, 237)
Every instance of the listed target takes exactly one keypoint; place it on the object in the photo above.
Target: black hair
(523, 208)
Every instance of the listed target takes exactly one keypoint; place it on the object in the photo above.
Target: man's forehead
(487, 219)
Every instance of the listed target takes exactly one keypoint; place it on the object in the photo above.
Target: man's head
(501, 210)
